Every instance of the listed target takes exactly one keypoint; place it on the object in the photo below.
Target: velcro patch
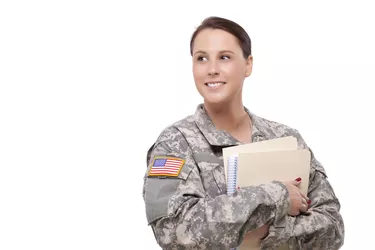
(166, 166)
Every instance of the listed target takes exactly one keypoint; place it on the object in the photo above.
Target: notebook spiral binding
(232, 174)
(232, 177)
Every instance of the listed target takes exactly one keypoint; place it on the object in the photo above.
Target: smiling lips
(214, 84)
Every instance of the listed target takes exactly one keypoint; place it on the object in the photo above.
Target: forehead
(211, 40)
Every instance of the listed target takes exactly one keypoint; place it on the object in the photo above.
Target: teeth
(214, 84)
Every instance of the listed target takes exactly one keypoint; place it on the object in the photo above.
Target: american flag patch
(166, 166)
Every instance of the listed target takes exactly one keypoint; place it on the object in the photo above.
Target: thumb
(297, 181)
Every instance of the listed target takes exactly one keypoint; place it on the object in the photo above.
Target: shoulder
(273, 129)
(171, 138)
(173, 132)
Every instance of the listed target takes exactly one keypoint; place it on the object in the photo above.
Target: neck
(228, 116)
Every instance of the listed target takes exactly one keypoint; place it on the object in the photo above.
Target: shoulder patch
(166, 166)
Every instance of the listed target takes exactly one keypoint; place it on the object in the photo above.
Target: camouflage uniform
(192, 210)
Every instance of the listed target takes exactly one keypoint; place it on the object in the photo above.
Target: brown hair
(228, 26)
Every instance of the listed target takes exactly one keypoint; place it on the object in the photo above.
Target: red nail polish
(298, 179)
(309, 202)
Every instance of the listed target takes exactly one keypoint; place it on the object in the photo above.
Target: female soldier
(184, 186)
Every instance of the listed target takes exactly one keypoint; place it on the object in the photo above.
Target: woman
(184, 186)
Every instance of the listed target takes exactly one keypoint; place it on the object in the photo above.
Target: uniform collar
(217, 137)
(258, 128)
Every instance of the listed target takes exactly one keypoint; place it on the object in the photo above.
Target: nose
(213, 69)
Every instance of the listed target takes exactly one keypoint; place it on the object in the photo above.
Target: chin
(219, 101)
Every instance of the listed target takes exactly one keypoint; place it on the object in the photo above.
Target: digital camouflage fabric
(191, 210)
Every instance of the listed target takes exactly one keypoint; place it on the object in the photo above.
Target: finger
(296, 212)
(297, 181)
(304, 202)
(305, 198)
(303, 208)
(303, 195)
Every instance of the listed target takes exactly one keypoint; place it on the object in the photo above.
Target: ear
(249, 65)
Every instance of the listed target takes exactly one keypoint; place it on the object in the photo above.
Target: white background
(87, 86)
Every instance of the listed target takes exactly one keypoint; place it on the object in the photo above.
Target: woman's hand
(298, 201)
(253, 238)
(259, 233)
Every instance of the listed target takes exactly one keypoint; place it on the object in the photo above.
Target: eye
(201, 58)
(225, 57)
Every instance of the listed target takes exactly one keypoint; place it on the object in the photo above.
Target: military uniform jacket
(188, 207)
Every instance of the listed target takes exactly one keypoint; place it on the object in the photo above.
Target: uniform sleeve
(322, 227)
(183, 217)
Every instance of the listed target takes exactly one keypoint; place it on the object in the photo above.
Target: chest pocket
(212, 174)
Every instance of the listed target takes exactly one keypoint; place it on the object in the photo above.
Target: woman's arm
(322, 227)
(183, 217)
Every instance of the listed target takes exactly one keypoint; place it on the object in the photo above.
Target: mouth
(214, 84)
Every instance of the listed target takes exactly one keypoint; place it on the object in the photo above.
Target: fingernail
(309, 202)
(298, 179)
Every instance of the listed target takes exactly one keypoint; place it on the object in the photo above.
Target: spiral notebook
(262, 162)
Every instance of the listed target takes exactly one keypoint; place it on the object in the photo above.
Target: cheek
(234, 71)
(198, 72)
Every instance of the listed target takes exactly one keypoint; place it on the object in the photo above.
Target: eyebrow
(221, 51)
